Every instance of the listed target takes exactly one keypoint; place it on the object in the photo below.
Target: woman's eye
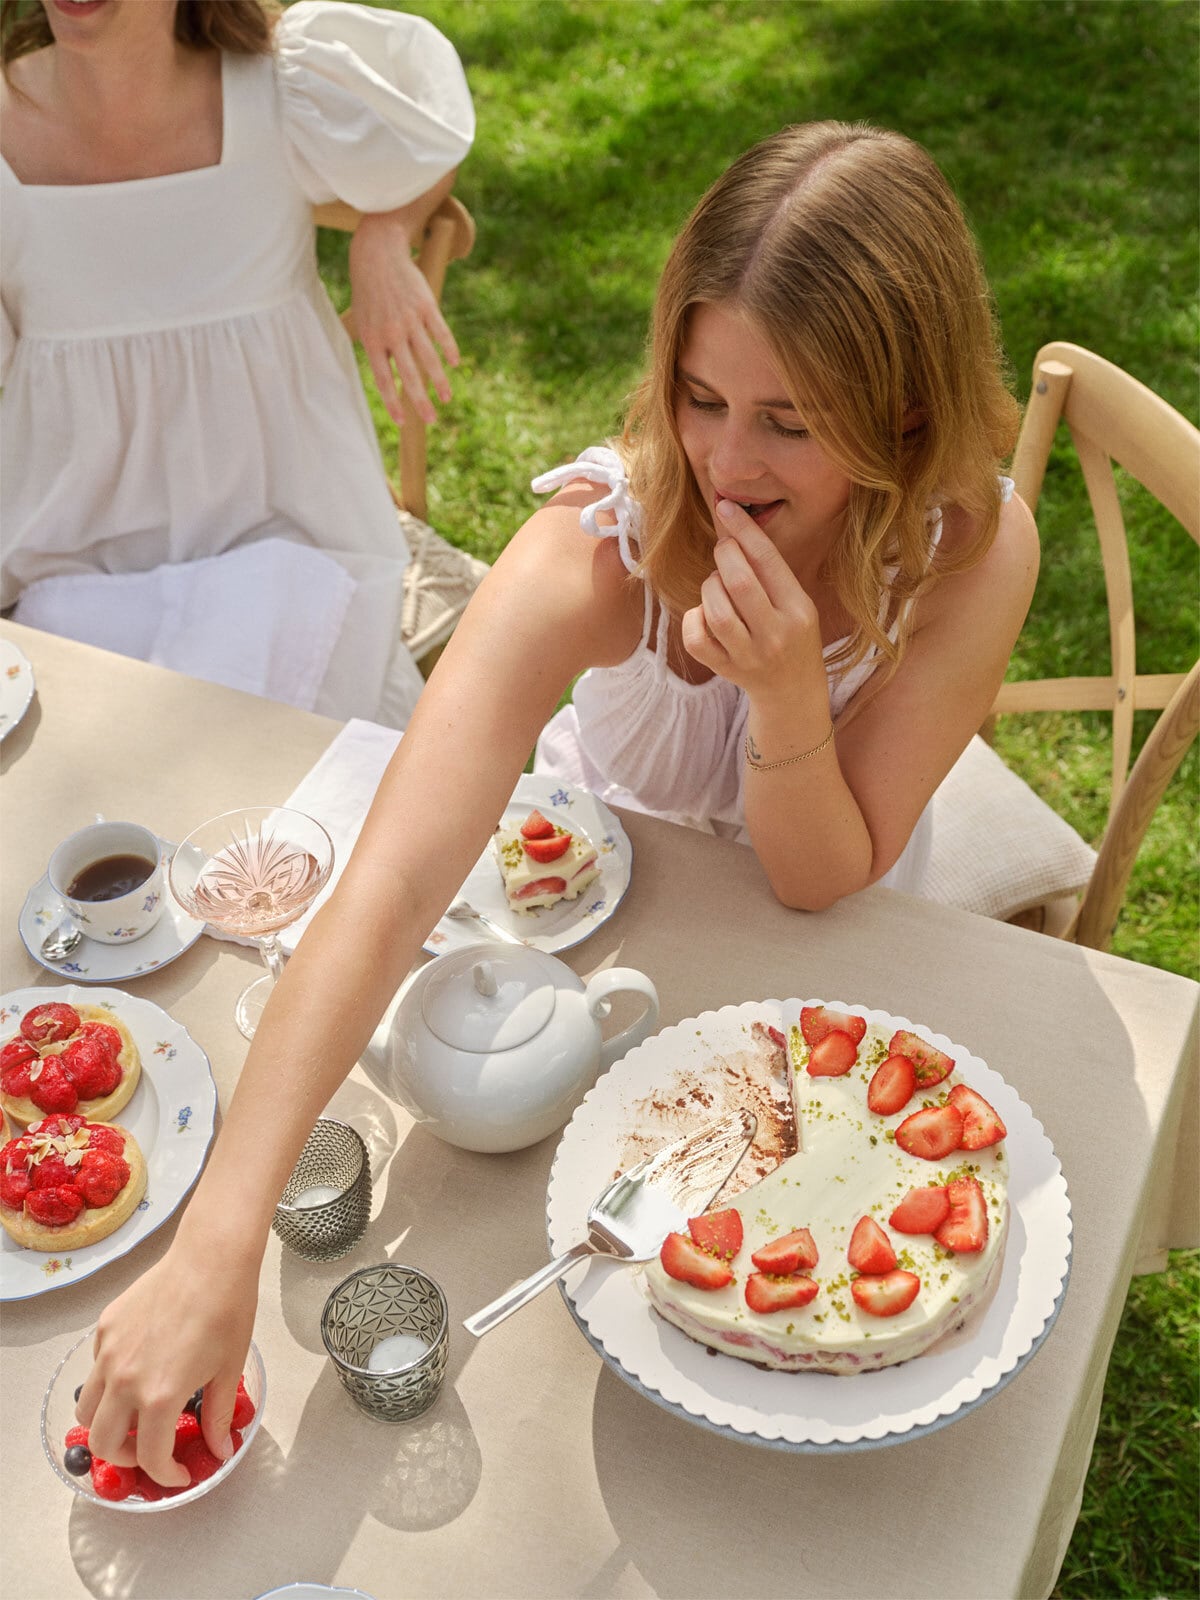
(786, 433)
(704, 405)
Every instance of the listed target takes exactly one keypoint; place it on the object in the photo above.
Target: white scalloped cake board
(801, 1411)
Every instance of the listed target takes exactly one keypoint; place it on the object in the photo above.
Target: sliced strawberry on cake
(524, 852)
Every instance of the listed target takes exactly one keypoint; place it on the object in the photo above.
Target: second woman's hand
(397, 319)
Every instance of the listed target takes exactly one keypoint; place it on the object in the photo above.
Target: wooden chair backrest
(1114, 418)
(449, 236)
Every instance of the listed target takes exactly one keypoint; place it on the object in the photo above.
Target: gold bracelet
(788, 761)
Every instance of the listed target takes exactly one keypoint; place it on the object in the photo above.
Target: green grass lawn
(1068, 128)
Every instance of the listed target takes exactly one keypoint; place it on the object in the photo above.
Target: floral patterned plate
(94, 962)
(16, 686)
(170, 1115)
(570, 922)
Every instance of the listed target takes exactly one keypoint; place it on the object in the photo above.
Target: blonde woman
(794, 591)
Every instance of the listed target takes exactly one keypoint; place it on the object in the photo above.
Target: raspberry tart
(66, 1182)
(68, 1059)
(882, 1234)
(542, 863)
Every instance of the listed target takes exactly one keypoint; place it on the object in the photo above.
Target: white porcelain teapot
(493, 1046)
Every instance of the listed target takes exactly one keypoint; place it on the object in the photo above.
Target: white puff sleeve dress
(186, 446)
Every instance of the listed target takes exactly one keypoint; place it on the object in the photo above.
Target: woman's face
(745, 441)
(108, 23)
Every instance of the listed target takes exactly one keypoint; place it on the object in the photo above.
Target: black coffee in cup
(110, 878)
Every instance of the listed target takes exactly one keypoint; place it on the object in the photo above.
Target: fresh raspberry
(149, 1489)
(89, 1065)
(100, 1177)
(103, 1033)
(49, 1023)
(51, 1173)
(52, 1090)
(14, 1186)
(15, 1080)
(199, 1460)
(15, 1052)
(112, 1482)
(75, 1435)
(102, 1137)
(53, 1206)
(186, 1429)
(243, 1407)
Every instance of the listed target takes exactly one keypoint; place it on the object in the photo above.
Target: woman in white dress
(177, 386)
(813, 501)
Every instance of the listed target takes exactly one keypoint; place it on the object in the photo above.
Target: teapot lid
(488, 998)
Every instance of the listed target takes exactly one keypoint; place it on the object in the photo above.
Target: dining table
(541, 1470)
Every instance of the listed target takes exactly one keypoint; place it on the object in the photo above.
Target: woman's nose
(734, 460)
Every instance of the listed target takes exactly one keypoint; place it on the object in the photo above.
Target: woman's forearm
(805, 825)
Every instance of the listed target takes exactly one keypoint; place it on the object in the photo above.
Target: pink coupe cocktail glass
(252, 873)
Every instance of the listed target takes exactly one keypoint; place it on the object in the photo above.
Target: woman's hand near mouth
(755, 624)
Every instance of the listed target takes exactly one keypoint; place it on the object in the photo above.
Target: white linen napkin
(338, 792)
(264, 617)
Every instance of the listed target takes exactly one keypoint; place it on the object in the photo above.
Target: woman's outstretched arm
(188, 1320)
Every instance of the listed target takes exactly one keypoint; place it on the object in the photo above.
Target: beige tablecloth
(540, 1472)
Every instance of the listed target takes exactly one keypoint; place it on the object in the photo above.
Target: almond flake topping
(73, 1158)
(35, 1071)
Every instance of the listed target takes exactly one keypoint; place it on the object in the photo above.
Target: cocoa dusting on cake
(757, 1078)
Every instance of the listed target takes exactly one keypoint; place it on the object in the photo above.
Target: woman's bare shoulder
(573, 579)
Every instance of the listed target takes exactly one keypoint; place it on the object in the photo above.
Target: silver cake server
(641, 1207)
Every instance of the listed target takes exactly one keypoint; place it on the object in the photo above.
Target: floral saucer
(16, 685)
(94, 962)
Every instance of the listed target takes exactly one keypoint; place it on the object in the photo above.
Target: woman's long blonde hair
(845, 247)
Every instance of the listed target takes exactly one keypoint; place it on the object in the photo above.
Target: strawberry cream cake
(66, 1182)
(542, 863)
(884, 1231)
(68, 1059)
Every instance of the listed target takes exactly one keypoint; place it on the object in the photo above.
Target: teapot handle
(614, 981)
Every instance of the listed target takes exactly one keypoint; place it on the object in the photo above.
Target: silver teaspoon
(463, 911)
(60, 941)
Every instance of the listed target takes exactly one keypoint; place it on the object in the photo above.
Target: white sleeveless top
(641, 737)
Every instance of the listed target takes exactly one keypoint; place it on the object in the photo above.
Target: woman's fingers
(699, 642)
(216, 1414)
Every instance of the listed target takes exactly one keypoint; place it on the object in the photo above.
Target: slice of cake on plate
(883, 1233)
(542, 863)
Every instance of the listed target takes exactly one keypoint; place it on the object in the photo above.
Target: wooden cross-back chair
(1113, 418)
(440, 579)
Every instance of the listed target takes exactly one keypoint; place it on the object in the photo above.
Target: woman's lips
(760, 511)
(69, 8)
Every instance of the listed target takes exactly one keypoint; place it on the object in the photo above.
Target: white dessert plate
(570, 922)
(171, 1116)
(94, 962)
(805, 1412)
(16, 686)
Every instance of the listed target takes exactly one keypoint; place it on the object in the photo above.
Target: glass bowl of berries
(129, 1488)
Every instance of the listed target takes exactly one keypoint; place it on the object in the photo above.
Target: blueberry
(193, 1404)
(79, 1391)
(77, 1459)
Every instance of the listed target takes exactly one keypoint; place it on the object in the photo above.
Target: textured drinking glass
(252, 873)
(326, 1204)
(388, 1312)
